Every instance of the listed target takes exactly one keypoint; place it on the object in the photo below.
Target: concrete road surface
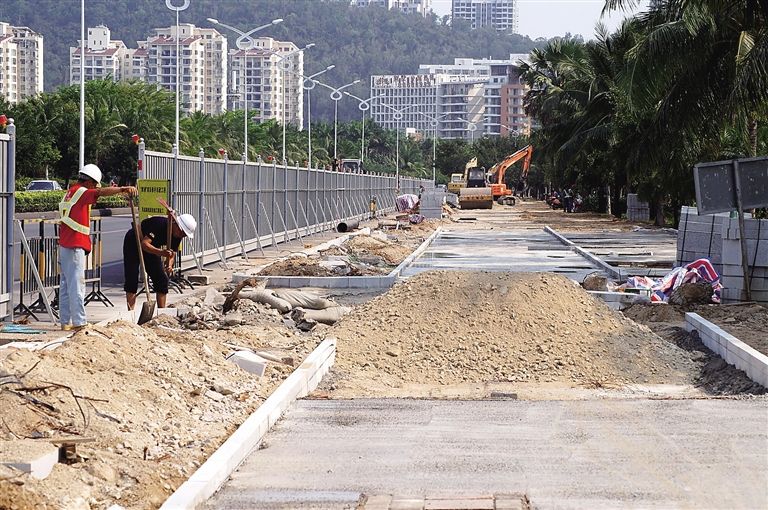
(592, 454)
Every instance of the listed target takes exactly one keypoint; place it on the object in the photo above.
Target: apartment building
(420, 7)
(450, 106)
(469, 98)
(21, 63)
(499, 14)
(204, 66)
(104, 57)
(268, 77)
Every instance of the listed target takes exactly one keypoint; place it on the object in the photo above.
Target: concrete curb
(591, 257)
(730, 348)
(341, 282)
(618, 300)
(214, 472)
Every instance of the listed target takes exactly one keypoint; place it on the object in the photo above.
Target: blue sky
(548, 18)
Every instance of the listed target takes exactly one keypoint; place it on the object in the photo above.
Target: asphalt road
(596, 454)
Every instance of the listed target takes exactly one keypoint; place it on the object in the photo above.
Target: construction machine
(457, 182)
(476, 194)
(499, 190)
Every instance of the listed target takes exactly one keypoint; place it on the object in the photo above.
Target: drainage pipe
(347, 226)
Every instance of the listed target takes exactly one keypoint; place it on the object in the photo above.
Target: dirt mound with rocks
(156, 400)
(367, 246)
(445, 328)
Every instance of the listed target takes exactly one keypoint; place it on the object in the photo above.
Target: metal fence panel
(268, 201)
(7, 176)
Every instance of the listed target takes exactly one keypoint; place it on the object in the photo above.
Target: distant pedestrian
(75, 242)
(568, 200)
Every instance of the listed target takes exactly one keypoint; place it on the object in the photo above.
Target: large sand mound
(445, 328)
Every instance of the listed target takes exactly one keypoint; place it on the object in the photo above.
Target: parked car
(43, 185)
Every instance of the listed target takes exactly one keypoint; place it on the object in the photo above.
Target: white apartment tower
(270, 79)
(420, 7)
(21, 63)
(103, 57)
(499, 14)
(203, 68)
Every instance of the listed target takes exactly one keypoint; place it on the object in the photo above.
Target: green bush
(42, 201)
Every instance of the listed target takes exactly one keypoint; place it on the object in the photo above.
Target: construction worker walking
(75, 241)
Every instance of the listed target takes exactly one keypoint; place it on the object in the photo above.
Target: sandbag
(302, 299)
(327, 316)
(267, 297)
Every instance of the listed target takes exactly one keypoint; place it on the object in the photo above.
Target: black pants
(131, 267)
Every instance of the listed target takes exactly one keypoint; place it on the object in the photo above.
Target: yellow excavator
(499, 190)
(476, 193)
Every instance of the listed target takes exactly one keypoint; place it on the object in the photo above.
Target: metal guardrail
(7, 206)
(244, 206)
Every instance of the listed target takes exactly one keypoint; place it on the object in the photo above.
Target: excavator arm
(501, 168)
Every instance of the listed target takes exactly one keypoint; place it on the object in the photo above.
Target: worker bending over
(154, 231)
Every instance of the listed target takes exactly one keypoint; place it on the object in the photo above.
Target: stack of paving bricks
(756, 234)
(700, 237)
(637, 210)
(431, 203)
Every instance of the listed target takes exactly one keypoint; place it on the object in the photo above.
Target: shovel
(148, 307)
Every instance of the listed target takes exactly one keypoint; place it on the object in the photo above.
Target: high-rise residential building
(104, 57)
(499, 14)
(270, 76)
(469, 98)
(21, 62)
(203, 69)
(420, 7)
(415, 102)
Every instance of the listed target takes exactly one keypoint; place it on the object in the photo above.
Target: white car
(43, 185)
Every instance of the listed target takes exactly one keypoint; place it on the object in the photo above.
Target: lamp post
(364, 105)
(336, 97)
(398, 115)
(82, 83)
(177, 10)
(244, 43)
(471, 126)
(308, 84)
(433, 121)
(286, 65)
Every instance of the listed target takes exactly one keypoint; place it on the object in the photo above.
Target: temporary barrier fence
(7, 206)
(241, 206)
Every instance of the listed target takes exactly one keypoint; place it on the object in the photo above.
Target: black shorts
(131, 267)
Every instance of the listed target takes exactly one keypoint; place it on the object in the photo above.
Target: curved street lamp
(244, 43)
(308, 84)
(364, 105)
(434, 121)
(336, 97)
(286, 65)
(398, 115)
(471, 126)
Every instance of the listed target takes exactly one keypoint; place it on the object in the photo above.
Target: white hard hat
(187, 223)
(92, 171)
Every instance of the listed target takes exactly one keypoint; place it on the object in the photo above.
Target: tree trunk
(752, 128)
(659, 213)
(608, 199)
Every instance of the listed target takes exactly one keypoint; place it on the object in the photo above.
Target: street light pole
(364, 105)
(433, 121)
(177, 9)
(308, 84)
(82, 84)
(286, 66)
(336, 97)
(244, 43)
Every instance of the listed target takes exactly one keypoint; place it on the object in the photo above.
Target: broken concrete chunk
(214, 395)
(328, 316)
(213, 297)
(303, 299)
(249, 362)
(34, 457)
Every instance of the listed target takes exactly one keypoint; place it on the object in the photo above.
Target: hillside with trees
(358, 41)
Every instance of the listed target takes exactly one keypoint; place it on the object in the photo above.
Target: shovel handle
(139, 237)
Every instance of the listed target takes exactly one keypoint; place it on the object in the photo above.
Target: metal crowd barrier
(40, 272)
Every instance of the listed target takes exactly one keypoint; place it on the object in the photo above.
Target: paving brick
(459, 504)
(509, 503)
(378, 502)
(400, 503)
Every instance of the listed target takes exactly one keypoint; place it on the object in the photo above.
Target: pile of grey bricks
(716, 237)
(756, 235)
(637, 210)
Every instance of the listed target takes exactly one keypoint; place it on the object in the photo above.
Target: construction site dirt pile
(443, 328)
(360, 255)
(747, 322)
(157, 402)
